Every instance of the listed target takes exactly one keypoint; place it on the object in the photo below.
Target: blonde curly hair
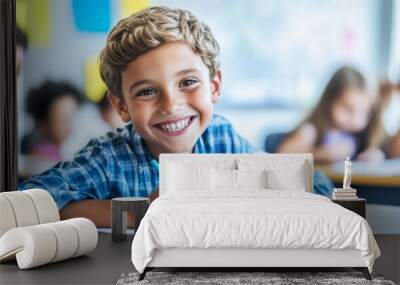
(148, 29)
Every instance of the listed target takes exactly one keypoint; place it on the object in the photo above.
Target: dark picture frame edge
(8, 98)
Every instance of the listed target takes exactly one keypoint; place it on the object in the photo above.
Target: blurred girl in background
(390, 95)
(52, 106)
(342, 124)
(394, 147)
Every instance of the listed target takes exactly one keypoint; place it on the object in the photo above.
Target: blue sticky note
(92, 15)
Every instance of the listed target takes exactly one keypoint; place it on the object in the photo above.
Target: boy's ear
(119, 105)
(216, 86)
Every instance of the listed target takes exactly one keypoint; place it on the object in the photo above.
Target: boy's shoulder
(118, 136)
(111, 142)
(221, 137)
(218, 129)
(219, 122)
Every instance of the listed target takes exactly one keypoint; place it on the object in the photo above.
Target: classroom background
(276, 58)
(280, 59)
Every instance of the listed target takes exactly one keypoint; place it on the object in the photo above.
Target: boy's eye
(146, 92)
(188, 82)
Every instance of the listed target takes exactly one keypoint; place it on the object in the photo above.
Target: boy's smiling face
(168, 96)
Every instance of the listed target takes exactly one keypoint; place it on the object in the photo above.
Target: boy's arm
(154, 195)
(84, 177)
(98, 211)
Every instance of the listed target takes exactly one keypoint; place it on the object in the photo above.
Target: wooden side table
(357, 205)
(136, 205)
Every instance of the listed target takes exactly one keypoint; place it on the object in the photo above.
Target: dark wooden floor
(389, 262)
(110, 260)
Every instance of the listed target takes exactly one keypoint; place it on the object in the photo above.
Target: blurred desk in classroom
(379, 183)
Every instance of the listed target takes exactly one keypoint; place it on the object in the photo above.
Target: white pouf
(26, 208)
(40, 244)
(31, 230)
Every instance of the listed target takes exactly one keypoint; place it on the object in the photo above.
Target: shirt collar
(138, 145)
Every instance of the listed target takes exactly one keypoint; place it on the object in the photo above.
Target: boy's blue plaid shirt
(118, 164)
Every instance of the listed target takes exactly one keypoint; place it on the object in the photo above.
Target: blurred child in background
(52, 106)
(390, 94)
(342, 124)
(108, 113)
(394, 146)
(90, 121)
(22, 44)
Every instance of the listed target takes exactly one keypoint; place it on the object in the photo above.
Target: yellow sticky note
(128, 7)
(94, 86)
(34, 18)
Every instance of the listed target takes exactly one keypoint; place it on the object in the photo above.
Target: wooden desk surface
(358, 179)
(102, 266)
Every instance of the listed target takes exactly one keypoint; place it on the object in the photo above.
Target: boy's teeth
(175, 127)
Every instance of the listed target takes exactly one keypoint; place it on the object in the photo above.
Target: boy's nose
(171, 104)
